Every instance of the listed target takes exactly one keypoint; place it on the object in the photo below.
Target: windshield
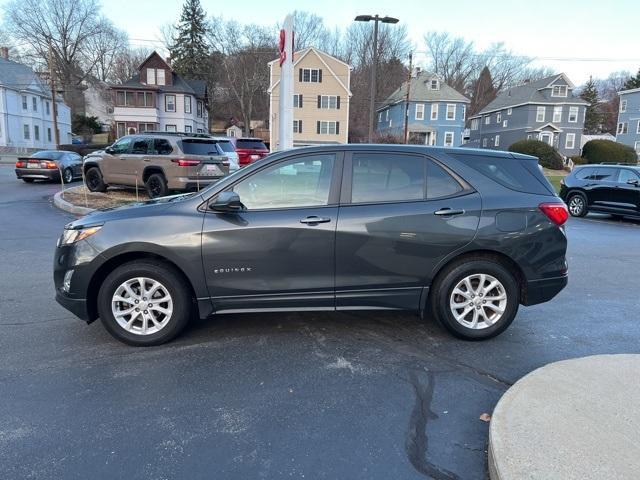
(199, 147)
(48, 154)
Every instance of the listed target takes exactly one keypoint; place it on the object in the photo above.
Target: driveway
(357, 396)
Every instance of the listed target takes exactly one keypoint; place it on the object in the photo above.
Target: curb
(62, 204)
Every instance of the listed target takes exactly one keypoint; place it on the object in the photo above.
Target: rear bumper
(38, 173)
(77, 306)
(191, 183)
(540, 291)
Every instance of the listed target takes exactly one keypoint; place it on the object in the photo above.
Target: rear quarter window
(514, 173)
(199, 147)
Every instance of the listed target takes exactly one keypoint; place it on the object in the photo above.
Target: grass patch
(555, 181)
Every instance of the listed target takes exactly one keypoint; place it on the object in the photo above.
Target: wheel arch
(150, 170)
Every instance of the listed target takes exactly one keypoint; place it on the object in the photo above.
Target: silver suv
(158, 160)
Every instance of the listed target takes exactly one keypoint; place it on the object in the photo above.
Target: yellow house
(320, 101)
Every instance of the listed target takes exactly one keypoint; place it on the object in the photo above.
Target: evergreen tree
(190, 51)
(593, 117)
(633, 82)
(484, 92)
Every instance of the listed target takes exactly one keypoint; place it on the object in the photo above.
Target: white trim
(557, 112)
(544, 113)
(509, 111)
(566, 79)
(566, 91)
(623, 128)
(453, 136)
(488, 112)
(420, 109)
(496, 140)
(499, 117)
(571, 136)
(454, 112)
(487, 120)
(505, 123)
(633, 90)
(548, 135)
(576, 110)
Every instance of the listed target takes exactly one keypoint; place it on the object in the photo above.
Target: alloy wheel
(142, 306)
(478, 301)
(68, 176)
(576, 205)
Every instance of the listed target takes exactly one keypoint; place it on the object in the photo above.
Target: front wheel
(476, 299)
(577, 205)
(94, 180)
(144, 303)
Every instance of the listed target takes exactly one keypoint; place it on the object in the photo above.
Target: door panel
(112, 164)
(628, 195)
(602, 190)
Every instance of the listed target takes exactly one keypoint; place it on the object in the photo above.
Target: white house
(26, 110)
(159, 99)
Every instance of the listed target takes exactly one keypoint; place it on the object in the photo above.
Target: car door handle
(448, 212)
(313, 220)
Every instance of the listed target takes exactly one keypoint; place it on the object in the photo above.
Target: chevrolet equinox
(464, 236)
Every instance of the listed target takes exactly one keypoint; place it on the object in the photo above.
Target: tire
(442, 295)
(28, 180)
(94, 181)
(577, 205)
(166, 327)
(156, 185)
(67, 175)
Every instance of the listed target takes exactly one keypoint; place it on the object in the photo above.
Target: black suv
(465, 235)
(604, 188)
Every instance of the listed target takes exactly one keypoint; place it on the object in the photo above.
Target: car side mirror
(633, 181)
(227, 202)
(109, 150)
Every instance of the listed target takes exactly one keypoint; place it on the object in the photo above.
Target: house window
(200, 130)
(638, 129)
(36, 132)
(328, 128)
(26, 132)
(34, 104)
(420, 111)
(434, 84)
(328, 102)
(559, 91)
(505, 123)
(529, 136)
(188, 128)
(386, 115)
(557, 114)
(146, 127)
(498, 117)
(573, 114)
(187, 104)
(48, 134)
(297, 101)
(623, 128)
(199, 109)
(297, 126)
(121, 129)
(540, 114)
(497, 141)
(464, 112)
(487, 119)
(310, 75)
(484, 143)
(125, 99)
(145, 99)
(24, 102)
(170, 128)
(434, 111)
(570, 141)
(448, 139)
(169, 104)
(475, 124)
(509, 111)
(379, 117)
(151, 76)
(160, 74)
(47, 108)
(623, 106)
(637, 146)
(451, 111)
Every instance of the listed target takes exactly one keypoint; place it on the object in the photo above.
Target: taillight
(184, 162)
(556, 212)
(21, 164)
(48, 165)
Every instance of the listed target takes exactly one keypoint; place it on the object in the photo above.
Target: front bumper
(77, 306)
(38, 173)
(540, 291)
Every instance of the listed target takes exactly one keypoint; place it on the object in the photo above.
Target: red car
(250, 149)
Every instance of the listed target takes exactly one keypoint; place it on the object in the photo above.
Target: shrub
(547, 155)
(387, 138)
(577, 160)
(599, 151)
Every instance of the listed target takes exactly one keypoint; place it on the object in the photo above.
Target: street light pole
(374, 64)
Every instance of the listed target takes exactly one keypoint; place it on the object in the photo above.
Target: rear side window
(513, 173)
(585, 173)
(254, 144)
(385, 177)
(626, 175)
(199, 147)
(161, 146)
(607, 174)
(440, 183)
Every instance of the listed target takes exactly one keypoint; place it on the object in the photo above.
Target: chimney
(4, 53)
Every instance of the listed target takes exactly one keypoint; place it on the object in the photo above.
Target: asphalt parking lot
(316, 396)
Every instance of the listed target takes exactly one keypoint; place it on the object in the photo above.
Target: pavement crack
(417, 442)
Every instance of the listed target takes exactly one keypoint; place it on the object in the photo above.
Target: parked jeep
(159, 161)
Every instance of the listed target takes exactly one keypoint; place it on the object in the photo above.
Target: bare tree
(108, 45)
(126, 63)
(244, 51)
(67, 28)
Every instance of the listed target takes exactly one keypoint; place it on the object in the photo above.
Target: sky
(581, 38)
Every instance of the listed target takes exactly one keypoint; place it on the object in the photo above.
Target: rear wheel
(475, 299)
(144, 303)
(27, 180)
(156, 185)
(93, 178)
(577, 205)
(67, 175)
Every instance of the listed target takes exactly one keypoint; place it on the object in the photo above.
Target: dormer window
(151, 76)
(434, 84)
(156, 76)
(160, 76)
(559, 91)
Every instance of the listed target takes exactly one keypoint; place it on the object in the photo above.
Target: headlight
(72, 236)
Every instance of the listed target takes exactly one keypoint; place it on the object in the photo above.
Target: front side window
(606, 174)
(301, 182)
(379, 177)
(169, 103)
(585, 173)
(121, 146)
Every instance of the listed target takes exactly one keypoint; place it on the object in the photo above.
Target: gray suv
(160, 162)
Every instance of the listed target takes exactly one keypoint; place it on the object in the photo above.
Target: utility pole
(406, 109)
(54, 109)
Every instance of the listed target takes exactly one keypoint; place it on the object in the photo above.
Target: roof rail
(177, 134)
(619, 163)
